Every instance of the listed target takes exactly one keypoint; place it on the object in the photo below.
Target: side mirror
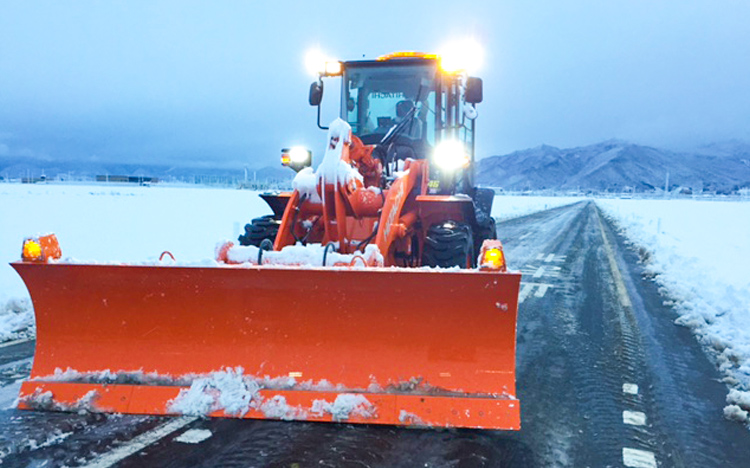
(316, 93)
(473, 93)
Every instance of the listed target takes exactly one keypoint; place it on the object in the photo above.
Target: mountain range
(19, 168)
(616, 165)
(612, 165)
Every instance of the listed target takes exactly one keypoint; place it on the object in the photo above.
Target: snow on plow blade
(377, 345)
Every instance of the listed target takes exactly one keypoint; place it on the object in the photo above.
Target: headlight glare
(451, 155)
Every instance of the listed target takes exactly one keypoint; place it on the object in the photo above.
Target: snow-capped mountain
(615, 164)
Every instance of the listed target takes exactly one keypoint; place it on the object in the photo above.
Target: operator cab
(406, 105)
(378, 95)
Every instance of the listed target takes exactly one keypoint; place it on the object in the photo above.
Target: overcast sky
(224, 83)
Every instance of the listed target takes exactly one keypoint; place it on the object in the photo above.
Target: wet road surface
(604, 377)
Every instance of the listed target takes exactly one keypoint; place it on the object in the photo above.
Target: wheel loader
(375, 293)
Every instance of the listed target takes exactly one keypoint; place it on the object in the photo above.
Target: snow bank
(699, 252)
(226, 390)
(344, 406)
(236, 394)
(512, 206)
(45, 401)
(16, 319)
(120, 224)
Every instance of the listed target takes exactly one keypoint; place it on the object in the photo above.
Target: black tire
(486, 230)
(449, 244)
(259, 229)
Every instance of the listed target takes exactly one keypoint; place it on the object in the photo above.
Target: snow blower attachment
(376, 293)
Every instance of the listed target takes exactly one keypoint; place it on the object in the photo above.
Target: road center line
(622, 292)
(139, 443)
(634, 418)
(635, 458)
(630, 388)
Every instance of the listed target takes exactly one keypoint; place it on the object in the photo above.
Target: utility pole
(666, 186)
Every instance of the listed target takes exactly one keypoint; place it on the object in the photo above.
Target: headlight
(461, 56)
(297, 158)
(299, 154)
(450, 155)
(319, 64)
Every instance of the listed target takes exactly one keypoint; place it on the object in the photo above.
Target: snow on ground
(699, 249)
(121, 223)
(700, 252)
(112, 223)
(16, 319)
(513, 206)
(193, 436)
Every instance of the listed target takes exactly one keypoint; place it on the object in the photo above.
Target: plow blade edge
(377, 346)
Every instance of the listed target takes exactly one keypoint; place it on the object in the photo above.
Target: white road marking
(540, 256)
(139, 443)
(527, 288)
(541, 290)
(630, 388)
(524, 236)
(635, 458)
(634, 418)
(525, 291)
(14, 342)
(549, 258)
(539, 272)
(193, 436)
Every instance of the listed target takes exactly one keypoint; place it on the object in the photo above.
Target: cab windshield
(376, 98)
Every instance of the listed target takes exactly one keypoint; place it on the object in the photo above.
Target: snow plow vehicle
(376, 293)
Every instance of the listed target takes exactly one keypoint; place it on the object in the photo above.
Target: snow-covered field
(700, 253)
(111, 223)
(699, 250)
(122, 223)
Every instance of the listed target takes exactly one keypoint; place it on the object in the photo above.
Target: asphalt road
(604, 376)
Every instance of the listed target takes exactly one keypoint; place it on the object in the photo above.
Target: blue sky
(224, 83)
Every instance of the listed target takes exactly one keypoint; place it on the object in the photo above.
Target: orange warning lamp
(491, 256)
(41, 249)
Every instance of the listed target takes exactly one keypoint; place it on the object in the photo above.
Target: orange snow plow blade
(376, 345)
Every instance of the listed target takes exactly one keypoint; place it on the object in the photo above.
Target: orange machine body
(133, 339)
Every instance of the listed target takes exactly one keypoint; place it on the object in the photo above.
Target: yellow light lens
(31, 250)
(315, 62)
(333, 68)
(318, 63)
(285, 159)
(493, 258)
